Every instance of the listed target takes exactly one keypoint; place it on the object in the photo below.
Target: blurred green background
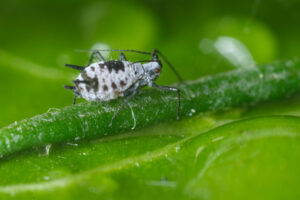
(199, 37)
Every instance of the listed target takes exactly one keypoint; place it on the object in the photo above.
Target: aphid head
(153, 69)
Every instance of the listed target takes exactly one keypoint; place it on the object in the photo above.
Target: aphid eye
(156, 70)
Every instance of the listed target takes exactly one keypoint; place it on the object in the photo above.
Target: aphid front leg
(122, 57)
(69, 87)
(95, 54)
(167, 88)
(123, 105)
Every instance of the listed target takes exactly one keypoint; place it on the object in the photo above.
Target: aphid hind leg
(95, 54)
(69, 87)
(122, 106)
(122, 57)
(172, 89)
(74, 100)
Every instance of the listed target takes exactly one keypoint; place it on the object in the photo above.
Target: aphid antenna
(168, 63)
(118, 50)
(155, 52)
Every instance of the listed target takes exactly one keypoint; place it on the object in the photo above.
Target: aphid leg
(74, 100)
(69, 87)
(155, 54)
(133, 117)
(122, 106)
(97, 54)
(173, 90)
(122, 57)
(75, 67)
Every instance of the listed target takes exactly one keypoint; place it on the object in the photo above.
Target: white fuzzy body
(107, 81)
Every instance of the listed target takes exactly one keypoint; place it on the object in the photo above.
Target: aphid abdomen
(106, 80)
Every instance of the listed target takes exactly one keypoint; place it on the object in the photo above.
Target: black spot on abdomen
(95, 84)
(84, 75)
(105, 88)
(122, 83)
(101, 65)
(113, 85)
(115, 64)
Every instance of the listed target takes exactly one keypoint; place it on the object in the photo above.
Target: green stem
(91, 119)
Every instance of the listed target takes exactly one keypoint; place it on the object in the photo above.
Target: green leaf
(222, 148)
(223, 162)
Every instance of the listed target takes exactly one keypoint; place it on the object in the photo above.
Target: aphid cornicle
(107, 80)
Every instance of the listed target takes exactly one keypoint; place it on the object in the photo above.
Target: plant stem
(240, 87)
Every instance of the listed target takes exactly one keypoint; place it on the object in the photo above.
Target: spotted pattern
(106, 80)
(115, 65)
(113, 85)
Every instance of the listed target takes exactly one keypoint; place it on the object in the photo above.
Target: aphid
(107, 80)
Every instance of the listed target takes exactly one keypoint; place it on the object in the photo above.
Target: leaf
(224, 161)
(254, 158)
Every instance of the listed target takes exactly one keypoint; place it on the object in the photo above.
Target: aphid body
(107, 80)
